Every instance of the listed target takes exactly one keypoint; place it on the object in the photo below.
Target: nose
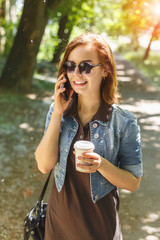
(76, 71)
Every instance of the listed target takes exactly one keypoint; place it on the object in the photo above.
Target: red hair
(109, 84)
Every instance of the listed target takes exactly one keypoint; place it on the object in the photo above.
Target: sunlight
(149, 107)
(152, 217)
(124, 79)
(121, 73)
(31, 96)
(150, 230)
(124, 193)
(157, 10)
(26, 126)
(154, 128)
(146, 107)
(153, 120)
(158, 166)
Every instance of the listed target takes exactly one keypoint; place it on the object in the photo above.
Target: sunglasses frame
(79, 67)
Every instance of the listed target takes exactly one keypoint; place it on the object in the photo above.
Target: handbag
(34, 222)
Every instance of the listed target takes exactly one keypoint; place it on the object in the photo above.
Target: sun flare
(156, 10)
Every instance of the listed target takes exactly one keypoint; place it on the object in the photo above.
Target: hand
(60, 105)
(91, 162)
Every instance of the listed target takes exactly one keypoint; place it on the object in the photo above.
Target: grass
(42, 84)
(150, 68)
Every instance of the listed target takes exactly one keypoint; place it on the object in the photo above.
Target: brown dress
(71, 213)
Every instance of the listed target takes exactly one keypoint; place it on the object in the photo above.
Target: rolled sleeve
(130, 154)
(136, 170)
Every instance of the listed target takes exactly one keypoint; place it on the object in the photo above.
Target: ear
(104, 74)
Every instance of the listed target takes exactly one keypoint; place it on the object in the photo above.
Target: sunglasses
(84, 67)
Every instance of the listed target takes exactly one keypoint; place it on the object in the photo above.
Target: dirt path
(140, 211)
(22, 122)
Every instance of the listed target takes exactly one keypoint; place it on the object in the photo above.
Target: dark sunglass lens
(69, 67)
(85, 68)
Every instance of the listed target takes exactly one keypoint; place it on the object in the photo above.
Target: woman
(85, 205)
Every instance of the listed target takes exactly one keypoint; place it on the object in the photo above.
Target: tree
(155, 34)
(21, 62)
(63, 36)
(77, 13)
(138, 17)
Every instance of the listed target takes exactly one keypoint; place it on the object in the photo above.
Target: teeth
(80, 82)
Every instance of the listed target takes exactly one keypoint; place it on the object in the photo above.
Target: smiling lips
(80, 83)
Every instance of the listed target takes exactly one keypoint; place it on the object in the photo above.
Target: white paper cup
(80, 147)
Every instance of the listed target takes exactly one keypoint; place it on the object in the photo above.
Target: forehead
(83, 52)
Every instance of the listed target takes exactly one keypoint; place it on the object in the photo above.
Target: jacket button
(95, 125)
(96, 197)
(96, 135)
(81, 137)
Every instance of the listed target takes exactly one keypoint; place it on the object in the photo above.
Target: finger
(71, 93)
(90, 155)
(61, 76)
(60, 90)
(90, 162)
(60, 84)
(60, 81)
(89, 151)
(85, 160)
(88, 169)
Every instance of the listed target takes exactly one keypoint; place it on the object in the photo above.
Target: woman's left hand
(91, 162)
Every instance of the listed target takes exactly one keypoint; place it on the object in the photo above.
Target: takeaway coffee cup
(80, 147)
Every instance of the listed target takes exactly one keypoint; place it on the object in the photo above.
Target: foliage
(114, 18)
(80, 13)
(120, 17)
(9, 24)
(139, 16)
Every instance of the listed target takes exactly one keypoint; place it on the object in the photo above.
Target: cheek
(97, 80)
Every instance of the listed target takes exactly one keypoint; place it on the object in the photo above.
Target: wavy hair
(109, 83)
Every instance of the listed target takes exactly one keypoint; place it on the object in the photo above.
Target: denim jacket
(117, 140)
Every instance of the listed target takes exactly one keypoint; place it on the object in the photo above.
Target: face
(89, 82)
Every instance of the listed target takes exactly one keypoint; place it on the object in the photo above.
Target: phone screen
(67, 86)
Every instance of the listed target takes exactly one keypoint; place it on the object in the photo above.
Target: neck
(88, 105)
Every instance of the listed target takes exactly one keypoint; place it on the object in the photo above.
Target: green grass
(150, 68)
(42, 84)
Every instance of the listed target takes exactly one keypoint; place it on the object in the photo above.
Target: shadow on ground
(21, 128)
(140, 211)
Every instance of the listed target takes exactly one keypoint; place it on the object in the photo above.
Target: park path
(21, 182)
(140, 211)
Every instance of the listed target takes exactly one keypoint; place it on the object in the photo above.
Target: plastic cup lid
(84, 145)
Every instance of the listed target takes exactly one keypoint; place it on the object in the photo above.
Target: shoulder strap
(44, 188)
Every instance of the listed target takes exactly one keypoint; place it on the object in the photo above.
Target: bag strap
(44, 188)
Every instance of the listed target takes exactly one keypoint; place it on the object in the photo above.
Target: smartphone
(67, 86)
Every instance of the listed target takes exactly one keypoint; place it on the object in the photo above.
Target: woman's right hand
(60, 105)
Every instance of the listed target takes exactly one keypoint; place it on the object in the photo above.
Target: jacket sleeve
(130, 154)
(48, 117)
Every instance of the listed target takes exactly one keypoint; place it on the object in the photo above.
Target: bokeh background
(33, 36)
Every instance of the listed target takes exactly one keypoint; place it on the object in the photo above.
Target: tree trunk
(63, 36)
(21, 62)
(155, 33)
(2, 9)
(148, 49)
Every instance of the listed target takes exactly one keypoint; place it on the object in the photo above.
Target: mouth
(80, 83)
